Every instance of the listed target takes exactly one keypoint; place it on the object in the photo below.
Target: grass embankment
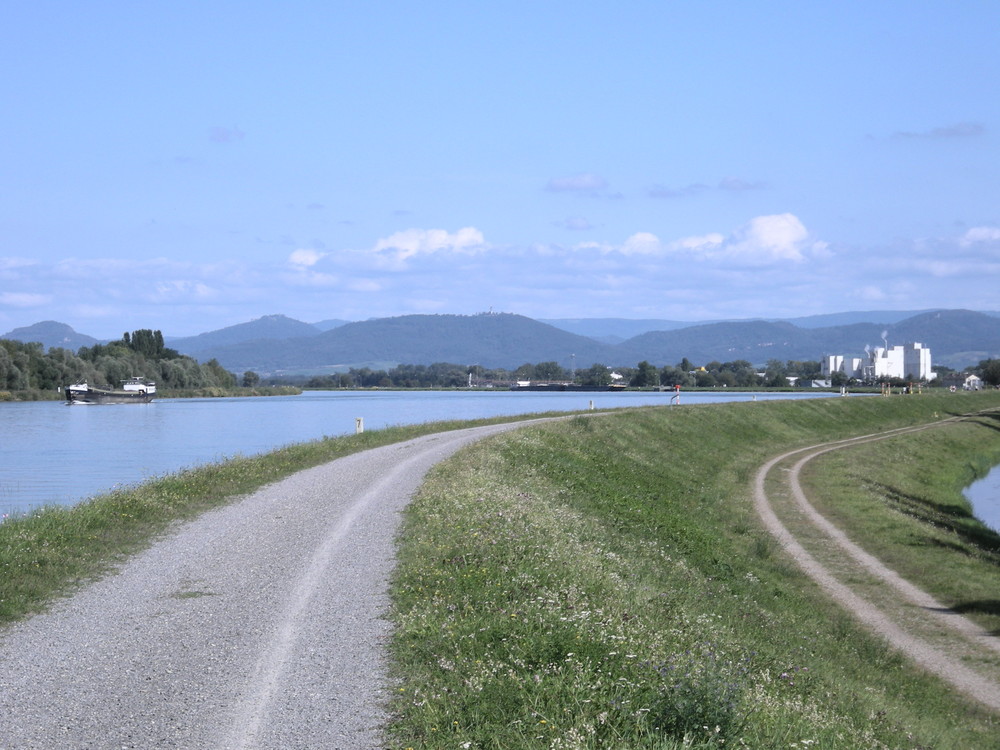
(604, 582)
(50, 551)
(902, 500)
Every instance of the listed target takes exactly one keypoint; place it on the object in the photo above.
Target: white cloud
(364, 285)
(704, 243)
(308, 277)
(411, 242)
(305, 258)
(10, 263)
(763, 240)
(642, 243)
(181, 289)
(769, 238)
(870, 293)
(980, 234)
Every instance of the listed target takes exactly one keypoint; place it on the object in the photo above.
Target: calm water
(54, 453)
(985, 498)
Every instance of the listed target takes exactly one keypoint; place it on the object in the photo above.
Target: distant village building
(910, 361)
(973, 383)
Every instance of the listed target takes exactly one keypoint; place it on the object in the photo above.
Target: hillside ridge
(277, 343)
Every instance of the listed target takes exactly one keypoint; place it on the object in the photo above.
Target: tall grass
(603, 582)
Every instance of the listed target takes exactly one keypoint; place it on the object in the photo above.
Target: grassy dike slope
(604, 582)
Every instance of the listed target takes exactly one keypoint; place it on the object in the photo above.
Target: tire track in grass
(905, 613)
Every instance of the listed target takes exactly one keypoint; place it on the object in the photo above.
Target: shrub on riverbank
(605, 583)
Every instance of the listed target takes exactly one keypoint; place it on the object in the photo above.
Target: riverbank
(606, 582)
(214, 392)
(51, 551)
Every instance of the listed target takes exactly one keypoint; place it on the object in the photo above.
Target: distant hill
(617, 330)
(614, 330)
(957, 338)
(756, 341)
(878, 317)
(489, 340)
(51, 334)
(327, 325)
(275, 343)
(267, 328)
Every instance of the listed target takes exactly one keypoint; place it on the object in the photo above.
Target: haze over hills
(276, 343)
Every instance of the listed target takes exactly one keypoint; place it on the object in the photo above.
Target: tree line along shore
(28, 372)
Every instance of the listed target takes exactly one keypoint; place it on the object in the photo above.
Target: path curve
(984, 689)
(257, 625)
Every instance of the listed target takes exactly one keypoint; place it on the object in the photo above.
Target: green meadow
(604, 582)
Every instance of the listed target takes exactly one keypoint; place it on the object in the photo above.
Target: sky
(188, 166)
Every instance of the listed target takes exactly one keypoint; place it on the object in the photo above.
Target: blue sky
(191, 165)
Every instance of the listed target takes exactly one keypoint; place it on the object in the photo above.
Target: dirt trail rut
(935, 637)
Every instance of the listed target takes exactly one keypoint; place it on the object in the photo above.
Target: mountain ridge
(274, 343)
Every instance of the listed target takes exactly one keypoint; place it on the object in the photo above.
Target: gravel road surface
(258, 625)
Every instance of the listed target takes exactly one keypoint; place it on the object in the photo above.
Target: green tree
(672, 376)
(250, 379)
(775, 374)
(740, 373)
(704, 379)
(596, 375)
(725, 378)
(549, 371)
(219, 375)
(989, 371)
(646, 376)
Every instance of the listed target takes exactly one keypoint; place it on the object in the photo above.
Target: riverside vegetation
(602, 581)
(27, 372)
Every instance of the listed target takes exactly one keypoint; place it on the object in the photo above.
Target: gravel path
(902, 624)
(258, 625)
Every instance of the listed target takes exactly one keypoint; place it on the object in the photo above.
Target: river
(984, 495)
(54, 453)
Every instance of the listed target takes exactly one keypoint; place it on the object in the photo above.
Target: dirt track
(935, 637)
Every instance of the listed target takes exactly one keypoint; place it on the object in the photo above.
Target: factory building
(907, 362)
